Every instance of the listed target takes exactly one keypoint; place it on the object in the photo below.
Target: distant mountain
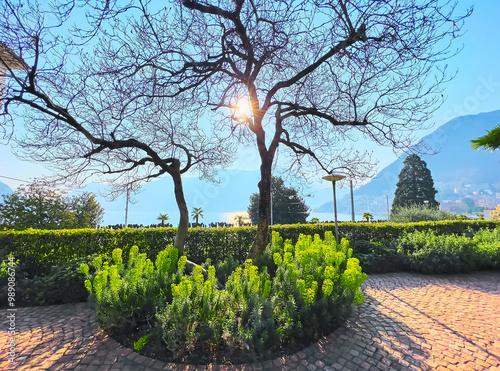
(5, 189)
(457, 170)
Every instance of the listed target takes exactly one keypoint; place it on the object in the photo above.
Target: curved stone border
(407, 322)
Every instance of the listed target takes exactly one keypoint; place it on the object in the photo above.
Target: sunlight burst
(243, 109)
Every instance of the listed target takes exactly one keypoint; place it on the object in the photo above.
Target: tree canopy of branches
(317, 75)
(415, 185)
(89, 118)
(41, 208)
(287, 206)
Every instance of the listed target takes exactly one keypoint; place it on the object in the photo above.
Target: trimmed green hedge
(48, 247)
(46, 259)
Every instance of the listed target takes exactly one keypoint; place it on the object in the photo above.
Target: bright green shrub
(314, 286)
(127, 295)
(254, 315)
(488, 248)
(191, 315)
(223, 268)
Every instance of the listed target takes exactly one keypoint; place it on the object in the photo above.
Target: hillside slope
(454, 168)
(5, 189)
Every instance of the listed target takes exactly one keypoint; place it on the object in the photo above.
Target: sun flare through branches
(243, 110)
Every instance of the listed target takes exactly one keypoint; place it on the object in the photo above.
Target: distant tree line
(169, 225)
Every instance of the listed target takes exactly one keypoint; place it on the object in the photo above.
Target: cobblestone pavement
(407, 322)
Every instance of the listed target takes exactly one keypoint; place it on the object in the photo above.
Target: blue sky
(475, 89)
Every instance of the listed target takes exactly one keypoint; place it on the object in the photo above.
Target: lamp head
(333, 177)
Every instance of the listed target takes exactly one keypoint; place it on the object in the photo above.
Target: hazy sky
(475, 89)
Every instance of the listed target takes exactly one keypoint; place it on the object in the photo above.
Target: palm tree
(489, 141)
(367, 216)
(163, 217)
(196, 213)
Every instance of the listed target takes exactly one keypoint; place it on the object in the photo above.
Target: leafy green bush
(488, 248)
(60, 284)
(223, 268)
(419, 213)
(127, 294)
(256, 314)
(314, 286)
(377, 257)
(429, 253)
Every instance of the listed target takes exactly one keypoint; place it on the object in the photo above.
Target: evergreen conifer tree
(415, 185)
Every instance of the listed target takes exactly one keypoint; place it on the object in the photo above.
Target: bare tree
(89, 123)
(318, 75)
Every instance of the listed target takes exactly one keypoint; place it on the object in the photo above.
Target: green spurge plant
(257, 314)
(238, 317)
(315, 284)
(127, 295)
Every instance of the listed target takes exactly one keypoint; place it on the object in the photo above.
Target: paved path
(407, 322)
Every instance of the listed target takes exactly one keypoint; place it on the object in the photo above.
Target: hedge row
(48, 247)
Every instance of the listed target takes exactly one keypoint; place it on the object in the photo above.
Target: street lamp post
(353, 218)
(272, 219)
(334, 178)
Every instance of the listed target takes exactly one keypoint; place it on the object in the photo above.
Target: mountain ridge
(5, 189)
(455, 166)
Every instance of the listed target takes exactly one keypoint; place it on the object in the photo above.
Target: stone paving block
(257, 366)
(407, 322)
(320, 364)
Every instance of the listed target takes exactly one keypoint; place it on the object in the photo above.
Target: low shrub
(314, 285)
(419, 213)
(127, 293)
(255, 315)
(378, 257)
(488, 248)
(429, 253)
(60, 284)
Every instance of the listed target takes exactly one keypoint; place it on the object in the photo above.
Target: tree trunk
(262, 237)
(182, 229)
